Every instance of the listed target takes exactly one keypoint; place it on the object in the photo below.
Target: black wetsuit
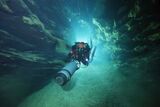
(80, 52)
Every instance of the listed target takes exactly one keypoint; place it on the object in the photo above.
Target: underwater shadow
(70, 85)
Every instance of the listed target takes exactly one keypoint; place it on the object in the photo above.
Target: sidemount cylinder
(66, 73)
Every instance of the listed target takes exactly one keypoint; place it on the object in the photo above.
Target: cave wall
(28, 35)
(32, 48)
(137, 25)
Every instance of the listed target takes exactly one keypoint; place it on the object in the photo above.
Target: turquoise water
(36, 36)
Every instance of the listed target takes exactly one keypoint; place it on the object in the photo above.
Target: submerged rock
(4, 6)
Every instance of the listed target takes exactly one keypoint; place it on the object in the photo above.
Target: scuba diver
(81, 52)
